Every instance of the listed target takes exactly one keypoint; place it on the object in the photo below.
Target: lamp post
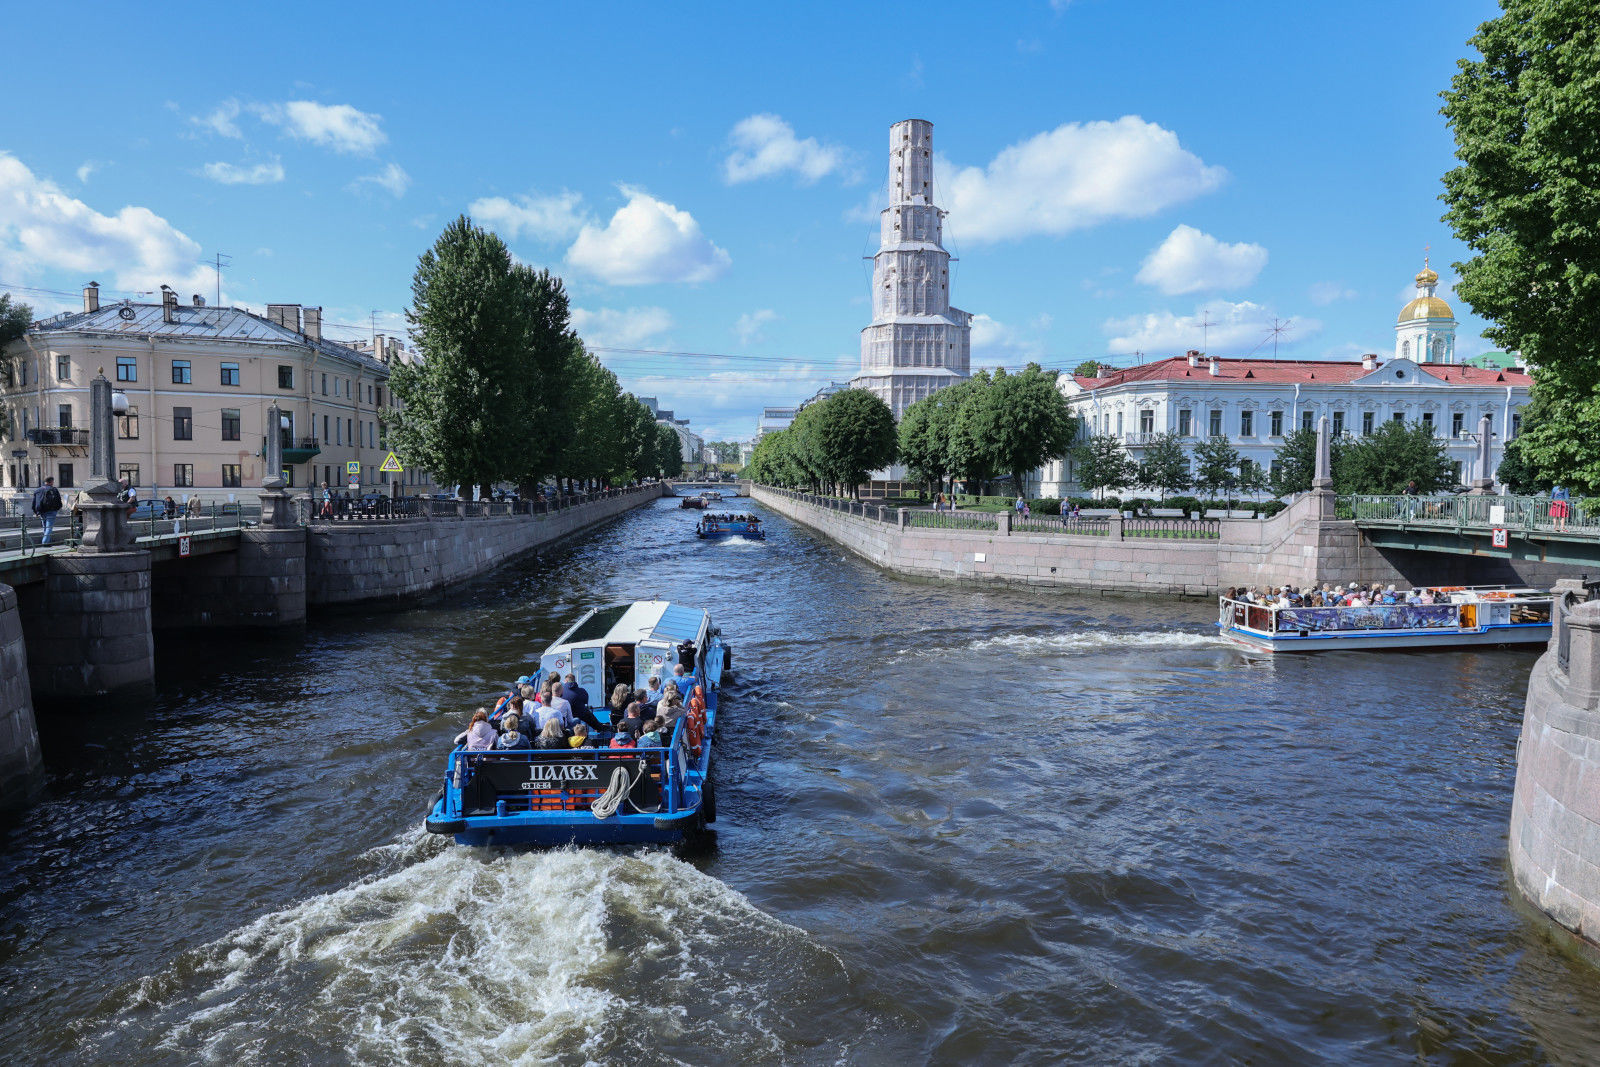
(105, 521)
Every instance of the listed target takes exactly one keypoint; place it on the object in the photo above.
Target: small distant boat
(599, 795)
(693, 502)
(1471, 616)
(714, 526)
(711, 495)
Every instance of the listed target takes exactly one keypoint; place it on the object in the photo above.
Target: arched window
(1405, 349)
(1438, 350)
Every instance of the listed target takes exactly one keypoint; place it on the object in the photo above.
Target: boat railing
(665, 765)
(1270, 619)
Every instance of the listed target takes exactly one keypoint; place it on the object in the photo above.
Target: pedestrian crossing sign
(352, 466)
(391, 464)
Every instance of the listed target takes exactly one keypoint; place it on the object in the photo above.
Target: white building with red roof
(1254, 403)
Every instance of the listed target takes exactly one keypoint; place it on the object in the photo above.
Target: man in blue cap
(501, 704)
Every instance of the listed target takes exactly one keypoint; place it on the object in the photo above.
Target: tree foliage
(1104, 464)
(1216, 467)
(1165, 467)
(1027, 420)
(1393, 455)
(1528, 140)
(669, 453)
(1089, 368)
(15, 318)
(854, 434)
(1297, 461)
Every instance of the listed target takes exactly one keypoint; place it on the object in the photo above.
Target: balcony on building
(53, 438)
(302, 452)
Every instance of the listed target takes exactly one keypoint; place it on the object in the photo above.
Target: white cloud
(260, 174)
(1072, 177)
(751, 323)
(1235, 329)
(336, 126)
(544, 218)
(221, 120)
(620, 328)
(646, 242)
(392, 177)
(1324, 293)
(88, 168)
(1190, 261)
(995, 344)
(765, 145)
(44, 229)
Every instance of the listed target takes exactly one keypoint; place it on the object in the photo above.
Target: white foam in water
(1098, 641)
(471, 957)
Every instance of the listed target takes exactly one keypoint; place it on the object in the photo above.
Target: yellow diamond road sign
(391, 464)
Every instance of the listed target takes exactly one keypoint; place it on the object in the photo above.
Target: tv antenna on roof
(219, 266)
(1205, 332)
(1278, 328)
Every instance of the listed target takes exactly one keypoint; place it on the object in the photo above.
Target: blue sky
(705, 177)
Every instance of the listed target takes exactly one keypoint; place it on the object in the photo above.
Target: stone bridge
(1466, 524)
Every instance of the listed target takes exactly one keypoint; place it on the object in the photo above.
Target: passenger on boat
(652, 692)
(480, 735)
(651, 736)
(622, 739)
(1428, 597)
(695, 729)
(669, 714)
(512, 736)
(632, 718)
(580, 736)
(578, 697)
(621, 697)
(553, 735)
(556, 707)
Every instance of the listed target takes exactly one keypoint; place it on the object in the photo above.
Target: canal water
(957, 826)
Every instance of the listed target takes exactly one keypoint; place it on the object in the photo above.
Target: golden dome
(1427, 276)
(1426, 307)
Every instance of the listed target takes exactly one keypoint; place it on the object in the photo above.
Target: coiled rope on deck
(606, 804)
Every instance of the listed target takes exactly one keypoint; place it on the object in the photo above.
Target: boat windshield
(599, 624)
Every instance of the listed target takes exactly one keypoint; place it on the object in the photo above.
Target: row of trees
(1384, 461)
(506, 391)
(831, 446)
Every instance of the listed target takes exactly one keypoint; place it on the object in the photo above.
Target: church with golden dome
(1426, 329)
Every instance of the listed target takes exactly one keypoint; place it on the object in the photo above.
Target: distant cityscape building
(199, 380)
(822, 394)
(774, 419)
(916, 343)
(690, 443)
(1256, 403)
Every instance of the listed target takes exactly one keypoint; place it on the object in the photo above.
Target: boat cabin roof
(657, 621)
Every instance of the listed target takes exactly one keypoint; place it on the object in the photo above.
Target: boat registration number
(545, 775)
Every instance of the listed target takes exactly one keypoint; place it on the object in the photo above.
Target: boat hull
(579, 829)
(1494, 636)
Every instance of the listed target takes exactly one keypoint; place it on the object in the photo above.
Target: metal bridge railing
(1466, 511)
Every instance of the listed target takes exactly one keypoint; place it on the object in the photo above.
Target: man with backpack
(46, 505)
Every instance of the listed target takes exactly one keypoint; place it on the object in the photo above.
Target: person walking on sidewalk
(47, 505)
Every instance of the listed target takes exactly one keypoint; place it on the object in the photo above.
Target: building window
(129, 471)
(1147, 421)
(1273, 468)
(1215, 428)
(285, 376)
(183, 475)
(64, 476)
(231, 476)
(324, 385)
(1338, 423)
(324, 427)
(1516, 424)
(338, 432)
(128, 425)
(180, 372)
(1247, 424)
(1366, 423)
(63, 369)
(1400, 416)
(183, 424)
(350, 430)
(1405, 349)
(230, 374)
(1457, 423)
(1427, 420)
(127, 369)
(230, 424)
(64, 416)
(1306, 422)
(1119, 424)
(1185, 423)
(1276, 424)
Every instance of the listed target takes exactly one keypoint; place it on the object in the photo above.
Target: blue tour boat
(600, 795)
(713, 526)
(1462, 616)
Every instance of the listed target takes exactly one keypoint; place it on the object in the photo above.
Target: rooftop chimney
(199, 301)
(169, 304)
(1194, 358)
(1216, 367)
(1102, 370)
(285, 315)
(91, 297)
(313, 323)
(1369, 362)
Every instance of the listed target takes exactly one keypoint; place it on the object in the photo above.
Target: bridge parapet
(1467, 511)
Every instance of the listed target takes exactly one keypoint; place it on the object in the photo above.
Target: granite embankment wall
(1301, 545)
(362, 563)
(1555, 810)
(19, 740)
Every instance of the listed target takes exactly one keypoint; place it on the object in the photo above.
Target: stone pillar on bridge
(268, 576)
(88, 622)
(276, 508)
(21, 769)
(1555, 810)
(1483, 484)
(1322, 475)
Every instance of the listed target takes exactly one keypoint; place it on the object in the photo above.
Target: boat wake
(473, 956)
(1078, 642)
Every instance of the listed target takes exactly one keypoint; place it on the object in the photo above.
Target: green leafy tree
(1165, 466)
(1028, 419)
(669, 453)
(1523, 199)
(1252, 479)
(803, 450)
(15, 318)
(1089, 368)
(1297, 462)
(1216, 467)
(1104, 464)
(1515, 473)
(929, 446)
(855, 434)
(973, 453)
(1391, 456)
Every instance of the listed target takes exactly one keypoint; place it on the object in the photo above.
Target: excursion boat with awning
(1462, 616)
(600, 795)
(716, 526)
